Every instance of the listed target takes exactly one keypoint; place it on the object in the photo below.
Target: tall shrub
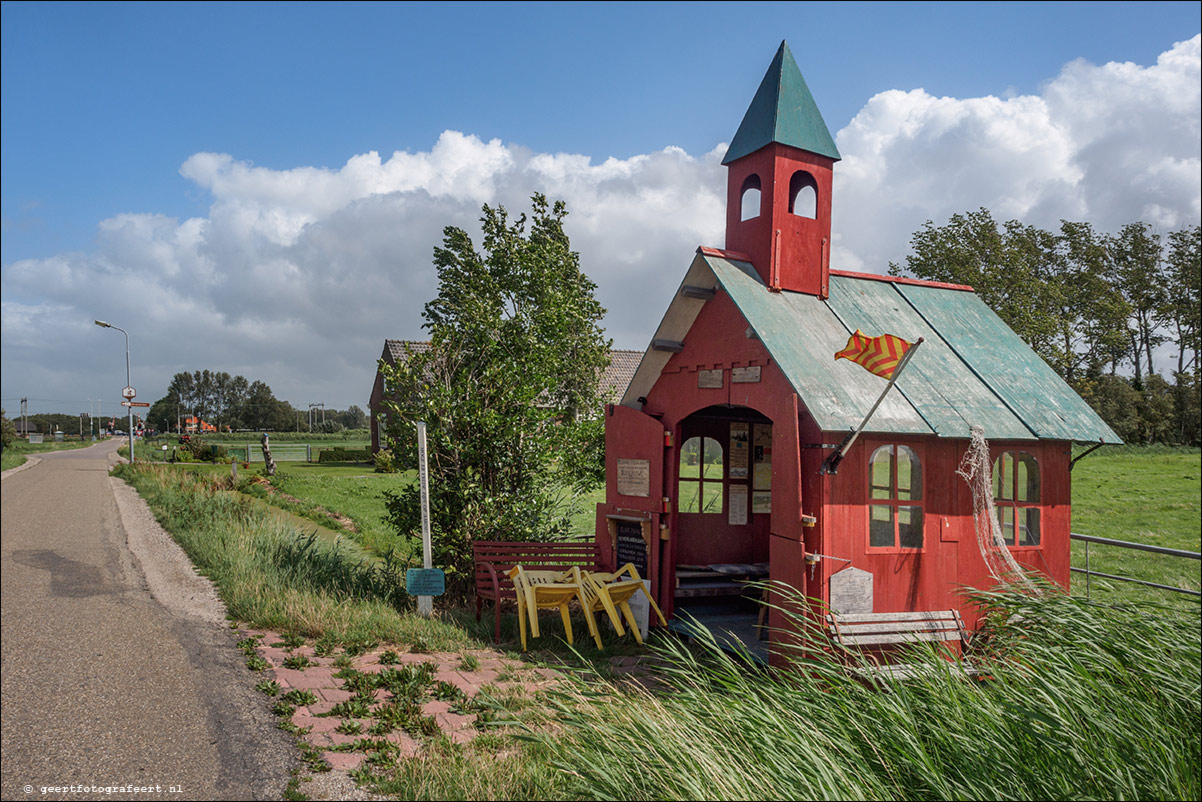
(509, 387)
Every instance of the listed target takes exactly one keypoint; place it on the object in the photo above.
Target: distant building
(622, 365)
(198, 426)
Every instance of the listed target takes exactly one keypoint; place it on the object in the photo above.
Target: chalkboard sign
(631, 546)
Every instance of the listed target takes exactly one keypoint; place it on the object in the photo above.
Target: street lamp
(128, 393)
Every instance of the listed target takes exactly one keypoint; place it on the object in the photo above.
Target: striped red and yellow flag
(879, 355)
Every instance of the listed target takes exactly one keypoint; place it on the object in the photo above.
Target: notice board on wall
(740, 450)
(634, 477)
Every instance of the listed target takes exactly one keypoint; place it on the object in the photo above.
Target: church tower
(778, 196)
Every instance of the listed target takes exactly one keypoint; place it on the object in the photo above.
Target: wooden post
(425, 604)
(267, 460)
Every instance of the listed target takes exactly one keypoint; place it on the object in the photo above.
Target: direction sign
(135, 403)
(129, 392)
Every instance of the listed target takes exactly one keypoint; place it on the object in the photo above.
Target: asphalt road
(106, 685)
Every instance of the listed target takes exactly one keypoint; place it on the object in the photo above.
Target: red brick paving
(344, 761)
(320, 730)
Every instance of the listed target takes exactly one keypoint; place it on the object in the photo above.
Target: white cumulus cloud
(1107, 144)
(297, 276)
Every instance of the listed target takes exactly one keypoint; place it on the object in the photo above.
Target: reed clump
(1078, 701)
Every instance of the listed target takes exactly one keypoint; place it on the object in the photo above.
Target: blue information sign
(425, 581)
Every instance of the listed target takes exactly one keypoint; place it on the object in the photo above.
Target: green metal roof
(971, 369)
(783, 110)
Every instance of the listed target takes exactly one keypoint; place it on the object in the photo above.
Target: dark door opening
(722, 504)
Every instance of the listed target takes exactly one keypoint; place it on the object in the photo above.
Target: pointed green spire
(783, 110)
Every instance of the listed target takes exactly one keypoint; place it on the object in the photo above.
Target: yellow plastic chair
(611, 592)
(545, 590)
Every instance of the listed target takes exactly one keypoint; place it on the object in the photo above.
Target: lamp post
(129, 388)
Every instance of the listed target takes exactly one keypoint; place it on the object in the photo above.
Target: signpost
(429, 582)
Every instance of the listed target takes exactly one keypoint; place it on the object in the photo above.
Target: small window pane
(1005, 517)
(689, 496)
(909, 527)
(1007, 475)
(1028, 526)
(690, 458)
(880, 528)
(909, 475)
(713, 459)
(881, 470)
(1028, 478)
(711, 497)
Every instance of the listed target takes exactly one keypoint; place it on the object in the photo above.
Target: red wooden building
(714, 455)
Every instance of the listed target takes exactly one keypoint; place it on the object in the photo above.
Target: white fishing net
(976, 469)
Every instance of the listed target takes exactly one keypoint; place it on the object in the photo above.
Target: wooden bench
(878, 633)
(494, 559)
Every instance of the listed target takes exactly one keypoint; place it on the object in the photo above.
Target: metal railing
(1126, 544)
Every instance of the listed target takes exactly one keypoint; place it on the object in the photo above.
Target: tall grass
(271, 575)
(1081, 702)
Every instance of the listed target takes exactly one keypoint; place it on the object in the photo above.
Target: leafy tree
(162, 414)
(1140, 277)
(1156, 411)
(1182, 308)
(49, 422)
(1010, 269)
(353, 418)
(8, 430)
(1116, 402)
(1091, 313)
(1189, 409)
(222, 400)
(262, 411)
(509, 388)
(1181, 312)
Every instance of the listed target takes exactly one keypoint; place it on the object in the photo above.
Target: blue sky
(106, 106)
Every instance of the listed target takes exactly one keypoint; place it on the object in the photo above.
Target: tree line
(1095, 306)
(234, 402)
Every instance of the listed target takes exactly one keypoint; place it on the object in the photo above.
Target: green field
(1143, 495)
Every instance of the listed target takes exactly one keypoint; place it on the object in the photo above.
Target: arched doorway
(722, 509)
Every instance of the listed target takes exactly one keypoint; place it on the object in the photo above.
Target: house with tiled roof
(622, 365)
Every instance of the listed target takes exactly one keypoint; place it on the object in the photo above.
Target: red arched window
(895, 507)
(1016, 497)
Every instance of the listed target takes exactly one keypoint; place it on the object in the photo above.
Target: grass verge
(271, 576)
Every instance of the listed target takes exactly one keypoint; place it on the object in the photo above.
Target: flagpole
(831, 463)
